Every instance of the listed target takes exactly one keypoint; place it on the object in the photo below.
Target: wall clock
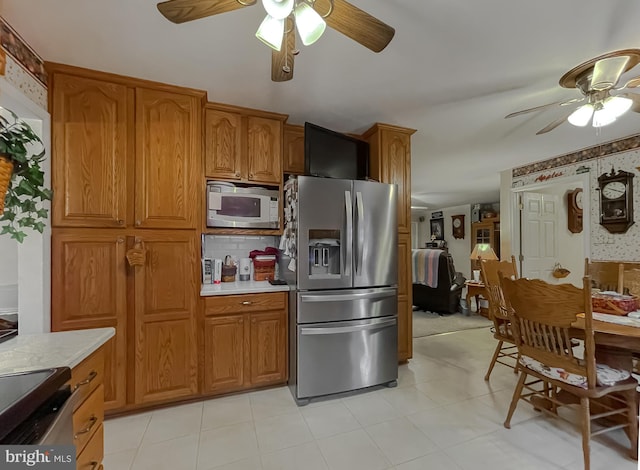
(574, 210)
(616, 200)
(457, 222)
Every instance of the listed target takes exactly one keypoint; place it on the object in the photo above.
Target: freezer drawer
(347, 304)
(343, 356)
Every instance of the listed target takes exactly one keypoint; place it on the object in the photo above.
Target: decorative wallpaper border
(18, 48)
(589, 153)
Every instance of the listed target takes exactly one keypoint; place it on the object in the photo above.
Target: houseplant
(21, 178)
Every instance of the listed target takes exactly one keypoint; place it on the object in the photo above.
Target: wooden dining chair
(631, 281)
(605, 275)
(506, 347)
(541, 317)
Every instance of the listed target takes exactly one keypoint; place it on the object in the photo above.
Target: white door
(538, 231)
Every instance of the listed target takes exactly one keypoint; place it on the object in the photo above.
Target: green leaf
(39, 226)
(42, 213)
(19, 236)
(8, 215)
(25, 188)
(6, 229)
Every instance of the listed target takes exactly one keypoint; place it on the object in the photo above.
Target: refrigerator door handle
(360, 239)
(347, 329)
(380, 294)
(349, 251)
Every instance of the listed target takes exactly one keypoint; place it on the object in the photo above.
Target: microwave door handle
(349, 235)
(360, 228)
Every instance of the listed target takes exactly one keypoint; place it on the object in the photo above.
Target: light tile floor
(442, 416)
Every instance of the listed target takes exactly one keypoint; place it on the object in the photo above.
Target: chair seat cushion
(605, 375)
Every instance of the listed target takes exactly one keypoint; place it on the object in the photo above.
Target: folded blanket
(425, 266)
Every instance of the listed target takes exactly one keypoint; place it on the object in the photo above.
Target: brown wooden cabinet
(293, 150)
(390, 162)
(167, 159)
(243, 145)
(165, 294)
(88, 290)
(90, 136)
(486, 232)
(245, 341)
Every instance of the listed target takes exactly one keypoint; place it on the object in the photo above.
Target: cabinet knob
(121, 240)
(237, 174)
(138, 223)
(246, 302)
(251, 175)
(120, 222)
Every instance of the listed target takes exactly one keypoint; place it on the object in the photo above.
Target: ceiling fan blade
(635, 107)
(282, 60)
(551, 126)
(181, 11)
(538, 108)
(606, 72)
(631, 83)
(356, 24)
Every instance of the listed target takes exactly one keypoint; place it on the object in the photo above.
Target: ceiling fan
(284, 17)
(596, 79)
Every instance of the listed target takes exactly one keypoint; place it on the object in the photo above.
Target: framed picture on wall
(437, 229)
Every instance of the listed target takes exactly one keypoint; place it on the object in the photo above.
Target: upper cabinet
(90, 147)
(293, 149)
(167, 155)
(124, 155)
(243, 145)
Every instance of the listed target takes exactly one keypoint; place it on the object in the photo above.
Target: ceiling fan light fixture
(617, 105)
(309, 23)
(581, 116)
(602, 117)
(271, 32)
(279, 9)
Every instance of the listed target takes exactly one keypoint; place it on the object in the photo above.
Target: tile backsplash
(237, 246)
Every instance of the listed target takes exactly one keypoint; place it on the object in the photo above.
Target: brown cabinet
(245, 341)
(165, 293)
(123, 155)
(167, 159)
(88, 290)
(90, 135)
(293, 149)
(485, 232)
(243, 145)
(390, 162)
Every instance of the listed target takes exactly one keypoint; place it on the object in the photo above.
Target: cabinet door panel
(88, 290)
(264, 150)
(268, 348)
(89, 140)
(398, 170)
(294, 150)
(165, 294)
(223, 145)
(405, 320)
(224, 353)
(167, 159)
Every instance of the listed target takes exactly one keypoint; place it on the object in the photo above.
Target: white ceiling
(454, 69)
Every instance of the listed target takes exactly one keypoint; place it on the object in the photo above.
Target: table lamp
(481, 251)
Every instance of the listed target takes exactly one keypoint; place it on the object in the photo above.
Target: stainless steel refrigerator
(343, 310)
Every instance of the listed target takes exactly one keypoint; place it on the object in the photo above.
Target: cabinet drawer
(88, 418)
(226, 304)
(91, 457)
(87, 375)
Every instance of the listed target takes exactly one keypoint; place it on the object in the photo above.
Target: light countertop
(43, 351)
(240, 287)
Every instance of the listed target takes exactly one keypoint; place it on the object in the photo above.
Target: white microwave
(232, 206)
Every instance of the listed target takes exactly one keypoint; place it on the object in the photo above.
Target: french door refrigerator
(343, 322)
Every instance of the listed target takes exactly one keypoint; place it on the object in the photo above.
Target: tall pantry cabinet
(390, 162)
(125, 211)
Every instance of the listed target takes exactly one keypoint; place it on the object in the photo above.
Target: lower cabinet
(245, 341)
(88, 415)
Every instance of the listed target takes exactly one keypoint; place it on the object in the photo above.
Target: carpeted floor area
(430, 323)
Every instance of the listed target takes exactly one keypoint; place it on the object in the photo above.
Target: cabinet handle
(120, 222)
(120, 240)
(92, 375)
(246, 302)
(138, 223)
(95, 465)
(92, 422)
(137, 255)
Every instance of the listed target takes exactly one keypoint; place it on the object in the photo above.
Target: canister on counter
(217, 271)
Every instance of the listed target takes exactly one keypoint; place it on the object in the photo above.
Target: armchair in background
(437, 287)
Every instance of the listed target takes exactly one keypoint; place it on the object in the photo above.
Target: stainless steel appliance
(37, 407)
(229, 205)
(343, 318)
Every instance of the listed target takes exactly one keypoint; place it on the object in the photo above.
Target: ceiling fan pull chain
(285, 67)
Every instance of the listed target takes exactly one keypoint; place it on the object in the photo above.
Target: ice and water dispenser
(324, 253)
